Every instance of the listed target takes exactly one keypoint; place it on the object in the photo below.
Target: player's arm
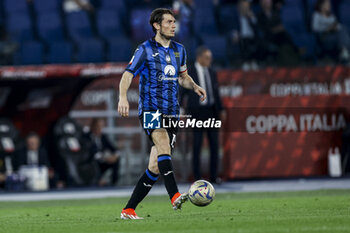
(187, 82)
(134, 67)
(123, 104)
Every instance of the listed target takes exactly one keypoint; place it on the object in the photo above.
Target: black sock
(142, 188)
(166, 170)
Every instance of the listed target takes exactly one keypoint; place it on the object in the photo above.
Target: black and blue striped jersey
(159, 70)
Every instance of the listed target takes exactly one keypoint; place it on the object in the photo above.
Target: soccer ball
(201, 193)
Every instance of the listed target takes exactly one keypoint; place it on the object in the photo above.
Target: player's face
(167, 27)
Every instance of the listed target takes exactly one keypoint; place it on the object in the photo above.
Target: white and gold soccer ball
(201, 193)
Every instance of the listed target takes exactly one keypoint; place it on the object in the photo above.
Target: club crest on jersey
(167, 58)
(169, 70)
(177, 54)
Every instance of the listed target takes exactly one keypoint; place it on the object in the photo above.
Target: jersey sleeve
(137, 61)
(183, 66)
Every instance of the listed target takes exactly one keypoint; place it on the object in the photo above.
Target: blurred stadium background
(65, 67)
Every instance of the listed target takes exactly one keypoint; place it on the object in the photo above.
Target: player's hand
(201, 92)
(123, 107)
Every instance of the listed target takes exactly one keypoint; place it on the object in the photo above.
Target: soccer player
(161, 64)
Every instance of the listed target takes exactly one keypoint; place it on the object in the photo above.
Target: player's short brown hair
(157, 16)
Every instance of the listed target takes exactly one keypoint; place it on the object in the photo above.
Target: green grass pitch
(286, 212)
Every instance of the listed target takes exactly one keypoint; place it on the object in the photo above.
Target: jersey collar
(153, 40)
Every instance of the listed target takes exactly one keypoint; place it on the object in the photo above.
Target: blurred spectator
(247, 36)
(7, 47)
(210, 108)
(34, 154)
(330, 33)
(184, 13)
(103, 151)
(77, 5)
(277, 43)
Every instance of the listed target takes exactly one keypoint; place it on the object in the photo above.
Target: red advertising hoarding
(283, 122)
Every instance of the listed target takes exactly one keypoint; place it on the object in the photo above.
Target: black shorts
(172, 131)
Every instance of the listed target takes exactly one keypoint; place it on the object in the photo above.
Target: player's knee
(163, 149)
(161, 141)
(153, 151)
